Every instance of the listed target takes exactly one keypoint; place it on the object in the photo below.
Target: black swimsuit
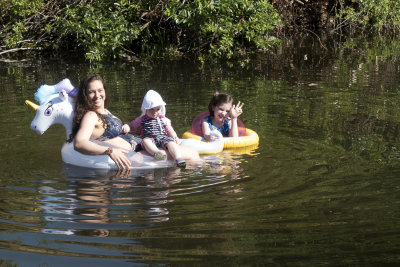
(114, 129)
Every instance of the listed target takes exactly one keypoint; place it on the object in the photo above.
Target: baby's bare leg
(174, 150)
(152, 149)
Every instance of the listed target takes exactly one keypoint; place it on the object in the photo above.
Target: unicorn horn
(31, 104)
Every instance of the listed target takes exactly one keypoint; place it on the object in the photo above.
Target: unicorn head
(56, 106)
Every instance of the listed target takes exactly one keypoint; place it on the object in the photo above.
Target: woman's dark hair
(218, 99)
(83, 105)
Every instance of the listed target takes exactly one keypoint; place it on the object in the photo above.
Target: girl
(223, 116)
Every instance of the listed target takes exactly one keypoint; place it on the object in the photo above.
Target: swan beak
(31, 104)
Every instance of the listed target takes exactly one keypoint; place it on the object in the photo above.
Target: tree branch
(17, 49)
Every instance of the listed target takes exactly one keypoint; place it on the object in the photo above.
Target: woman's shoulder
(90, 114)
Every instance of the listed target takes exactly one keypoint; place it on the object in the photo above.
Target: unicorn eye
(48, 111)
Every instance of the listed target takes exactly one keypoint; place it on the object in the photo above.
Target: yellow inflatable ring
(249, 139)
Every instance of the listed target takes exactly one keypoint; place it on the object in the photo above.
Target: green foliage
(207, 29)
(381, 15)
(15, 35)
(226, 28)
(102, 28)
(21, 9)
(16, 12)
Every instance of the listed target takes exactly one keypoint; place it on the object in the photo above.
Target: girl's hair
(218, 99)
(83, 105)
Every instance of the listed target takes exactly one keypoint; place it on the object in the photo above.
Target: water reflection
(97, 202)
(95, 198)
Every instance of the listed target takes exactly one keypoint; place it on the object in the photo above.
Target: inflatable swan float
(57, 103)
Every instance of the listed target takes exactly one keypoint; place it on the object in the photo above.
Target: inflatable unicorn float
(57, 103)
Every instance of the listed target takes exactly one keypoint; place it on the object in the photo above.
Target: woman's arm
(83, 144)
(82, 141)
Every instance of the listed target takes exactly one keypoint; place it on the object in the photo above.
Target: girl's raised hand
(236, 110)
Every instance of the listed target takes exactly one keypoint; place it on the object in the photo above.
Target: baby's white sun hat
(153, 99)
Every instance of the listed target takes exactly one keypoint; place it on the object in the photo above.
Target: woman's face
(221, 112)
(96, 93)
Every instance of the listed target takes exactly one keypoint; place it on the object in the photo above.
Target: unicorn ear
(68, 87)
(63, 95)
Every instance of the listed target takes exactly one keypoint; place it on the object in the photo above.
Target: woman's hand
(118, 156)
(236, 110)
(121, 174)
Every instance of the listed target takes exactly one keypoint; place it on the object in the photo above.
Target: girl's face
(96, 93)
(222, 111)
(153, 112)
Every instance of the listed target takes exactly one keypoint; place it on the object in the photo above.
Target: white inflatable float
(57, 104)
(205, 147)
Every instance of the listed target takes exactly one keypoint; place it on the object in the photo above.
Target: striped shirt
(150, 127)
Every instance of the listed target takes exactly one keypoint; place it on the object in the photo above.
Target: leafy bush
(362, 15)
(103, 29)
(207, 29)
(225, 28)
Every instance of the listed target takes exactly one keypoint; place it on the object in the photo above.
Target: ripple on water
(67, 216)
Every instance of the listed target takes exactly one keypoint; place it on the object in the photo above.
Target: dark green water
(321, 189)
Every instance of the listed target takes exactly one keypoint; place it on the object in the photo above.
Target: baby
(155, 129)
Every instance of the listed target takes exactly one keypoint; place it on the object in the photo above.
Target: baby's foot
(181, 163)
(160, 156)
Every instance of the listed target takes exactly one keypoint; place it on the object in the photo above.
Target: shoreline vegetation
(207, 30)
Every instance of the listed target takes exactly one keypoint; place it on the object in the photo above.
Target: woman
(92, 120)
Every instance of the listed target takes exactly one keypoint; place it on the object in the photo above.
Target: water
(321, 189)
